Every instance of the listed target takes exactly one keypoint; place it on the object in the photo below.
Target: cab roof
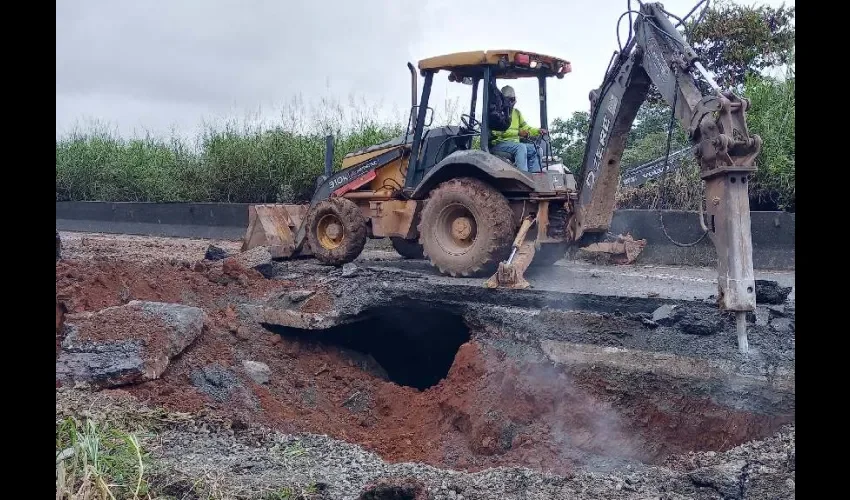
(515, 64)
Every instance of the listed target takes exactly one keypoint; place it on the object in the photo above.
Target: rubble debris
(125, 344)
(623, 250)
(664, 314)
(698, 321)
(761, 316)
(259, 372)
(782, 325)
(646, 320)
(349, 270)
(236, 267)
(726, 479)
(299, 295)
(243, 333)
(215, 253)
(254, 461)
(215, 381)
(496, 402)
(253, 258)
(288, 318)
(691, 319)
(770, 292)
(396, 489)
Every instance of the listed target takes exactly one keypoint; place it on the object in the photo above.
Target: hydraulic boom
(716, 124)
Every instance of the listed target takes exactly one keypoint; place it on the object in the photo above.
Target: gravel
(215, 381)
(208, 453)
(143, 249)
(255, 461)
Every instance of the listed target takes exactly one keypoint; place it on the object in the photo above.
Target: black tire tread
(495, 212)
(354, 224)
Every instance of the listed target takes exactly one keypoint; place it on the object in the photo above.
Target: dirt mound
(125, 344)
(184, 448)
(491, 409)
(88, 285)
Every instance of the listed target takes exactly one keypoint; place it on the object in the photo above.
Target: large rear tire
(336, 231)
(409, 249)
(467, 228)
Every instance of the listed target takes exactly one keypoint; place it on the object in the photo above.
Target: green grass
(97, 461)
(290, 494)
(250, 161)
(228, 165)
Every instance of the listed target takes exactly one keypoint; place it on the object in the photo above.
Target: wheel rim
(456, 229)
(330, 231)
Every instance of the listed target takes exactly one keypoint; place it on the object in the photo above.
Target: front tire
(467, 228)
(336, 231)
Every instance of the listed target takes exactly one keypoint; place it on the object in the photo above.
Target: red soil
(490, 410)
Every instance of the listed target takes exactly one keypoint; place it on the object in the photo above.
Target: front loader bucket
(274, 226)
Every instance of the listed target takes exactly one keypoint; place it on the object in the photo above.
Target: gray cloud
(221, 54)
(157, 64)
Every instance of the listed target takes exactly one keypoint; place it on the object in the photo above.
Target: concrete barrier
(773, 232)
(226, 221)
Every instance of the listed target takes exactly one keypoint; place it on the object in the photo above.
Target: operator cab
(430, 146)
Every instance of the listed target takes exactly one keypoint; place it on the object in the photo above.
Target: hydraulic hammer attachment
(727, 155)
(510, 273)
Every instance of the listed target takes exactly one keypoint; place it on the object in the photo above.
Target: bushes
(255, 163)
(771, 116)
(251, 163)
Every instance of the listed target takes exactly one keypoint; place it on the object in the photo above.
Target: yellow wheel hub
(330, 231)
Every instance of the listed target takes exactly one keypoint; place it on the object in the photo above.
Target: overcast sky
(163, 65)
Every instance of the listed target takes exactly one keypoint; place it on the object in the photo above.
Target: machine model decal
(612, 104)
(345, 180)
(603, 141)
(656, 57)
(348, 175)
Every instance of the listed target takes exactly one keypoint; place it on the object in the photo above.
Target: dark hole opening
(415, 345)
(393, 492)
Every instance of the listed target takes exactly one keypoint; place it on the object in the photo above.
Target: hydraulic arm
(716, 124)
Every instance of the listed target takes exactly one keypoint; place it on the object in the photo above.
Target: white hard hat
(508, 91)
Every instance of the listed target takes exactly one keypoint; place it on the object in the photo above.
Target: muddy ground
(383, 370)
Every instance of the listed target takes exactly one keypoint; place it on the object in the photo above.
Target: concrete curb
(773, 236)
(773, 232)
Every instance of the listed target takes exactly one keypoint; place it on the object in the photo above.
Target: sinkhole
(414, 344)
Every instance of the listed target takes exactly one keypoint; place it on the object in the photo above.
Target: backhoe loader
(471, 212)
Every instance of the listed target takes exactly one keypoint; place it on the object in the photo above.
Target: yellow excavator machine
(471, 212)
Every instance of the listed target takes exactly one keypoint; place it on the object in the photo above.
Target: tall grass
(253, 161)
(96, 461)
(773, 118)
(771, 115)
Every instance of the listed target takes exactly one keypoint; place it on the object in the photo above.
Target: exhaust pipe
(413, 90)
(329, 155)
